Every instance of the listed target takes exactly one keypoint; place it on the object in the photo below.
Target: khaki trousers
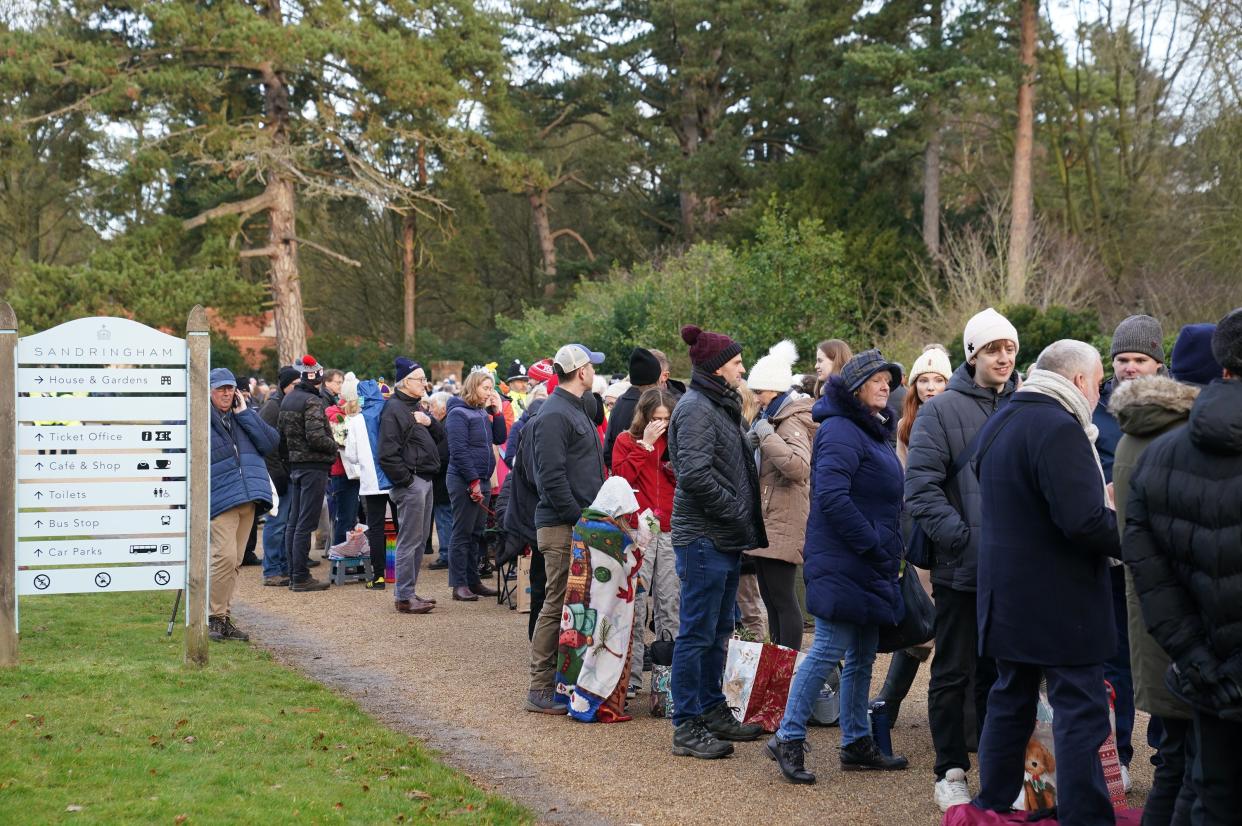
(229, 532)
(554, 545)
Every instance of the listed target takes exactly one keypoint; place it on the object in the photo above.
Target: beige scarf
(1054, 385)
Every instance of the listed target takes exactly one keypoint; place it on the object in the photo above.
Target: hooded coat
(362, 441)
(950, 514)
(1145, 409)
(717, 494)
(853, 543)
(472, 432)
(238, 472)
(1183, 539)
(785, 479)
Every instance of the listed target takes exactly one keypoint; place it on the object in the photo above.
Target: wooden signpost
(103, 425)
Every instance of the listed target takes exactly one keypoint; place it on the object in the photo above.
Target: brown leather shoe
(464, 594)
(428, 600)
(413, 606)
(483, 590)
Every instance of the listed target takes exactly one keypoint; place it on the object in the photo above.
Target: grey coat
(951, 516)
(1146, 408)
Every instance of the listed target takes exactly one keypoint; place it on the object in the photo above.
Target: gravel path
(456, 679)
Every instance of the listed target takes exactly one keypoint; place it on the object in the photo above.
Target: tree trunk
(690, 201)
(543, 232)
(408, 222)
(282, 225)
(286, 286)
(931, 184)
(1021, 218)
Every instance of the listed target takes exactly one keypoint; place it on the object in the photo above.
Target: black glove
(1200, 675)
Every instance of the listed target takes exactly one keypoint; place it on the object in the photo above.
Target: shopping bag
(966, 814)
(1039, 782)
(756, 681)
(355, 544)
(662, 674)
(523, 584)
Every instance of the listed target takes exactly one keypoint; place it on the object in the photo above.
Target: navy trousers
(1079, 701)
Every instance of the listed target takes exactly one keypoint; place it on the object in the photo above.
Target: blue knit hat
(1193, 362)
(403, 367)
(865, 365)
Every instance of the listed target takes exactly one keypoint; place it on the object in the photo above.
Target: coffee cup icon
(163, 464)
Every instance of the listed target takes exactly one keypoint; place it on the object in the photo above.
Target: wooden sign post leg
(8, 502)
(198, 435)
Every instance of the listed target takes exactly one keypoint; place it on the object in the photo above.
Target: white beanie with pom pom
(775, 370)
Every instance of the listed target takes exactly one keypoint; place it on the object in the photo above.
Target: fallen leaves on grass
(417, 794)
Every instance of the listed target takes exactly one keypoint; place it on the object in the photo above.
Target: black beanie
(644, 367)
(1227, 342)
(286, 375)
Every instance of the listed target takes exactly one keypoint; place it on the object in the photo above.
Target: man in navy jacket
(239, 481)
(1044, 591)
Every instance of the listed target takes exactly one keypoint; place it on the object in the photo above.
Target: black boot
(790, 757)
(721, 722)
(901, 673)
(693, 739)
(864, 754)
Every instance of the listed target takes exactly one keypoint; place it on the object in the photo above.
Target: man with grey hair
(1044, 591)
(442, 510)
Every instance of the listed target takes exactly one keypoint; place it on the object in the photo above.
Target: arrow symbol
(38, 523)
(38, 466)
(38, 380)
(38, 552)
(39, 436)
(38, 494)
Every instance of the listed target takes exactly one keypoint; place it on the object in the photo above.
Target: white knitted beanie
(775, 370)
(983, 329)
(933, 360)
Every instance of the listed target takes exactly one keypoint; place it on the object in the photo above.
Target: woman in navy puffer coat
(852, 555)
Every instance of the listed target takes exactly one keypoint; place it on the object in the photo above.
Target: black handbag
(919, 623)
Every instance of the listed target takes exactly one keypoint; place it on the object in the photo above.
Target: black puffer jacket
(1183, 539)
(717, 494)
(567, 460)
(305, 430)
(950, 515)
(523, 493)
(407, 448)
(277, 460)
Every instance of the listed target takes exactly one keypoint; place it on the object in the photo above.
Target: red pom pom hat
(309, 368)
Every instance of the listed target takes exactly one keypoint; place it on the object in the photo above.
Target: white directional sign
(95, 409)
(57, 466)
(87, 524)
(97, 580)
(101, 437)
(116, 341)
(100, 380)
(161, 549)
(91, 494)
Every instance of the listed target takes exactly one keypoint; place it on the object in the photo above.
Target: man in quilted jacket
(312, 449)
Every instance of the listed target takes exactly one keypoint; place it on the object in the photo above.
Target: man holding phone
(239, 482)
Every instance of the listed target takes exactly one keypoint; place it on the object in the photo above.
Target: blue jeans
(443, 515)
(708, 596)
(343, 505)
(1079, 727)
(469, 519)
(857, 643)
(275, 562)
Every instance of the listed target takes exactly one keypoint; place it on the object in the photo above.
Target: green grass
(102, 723)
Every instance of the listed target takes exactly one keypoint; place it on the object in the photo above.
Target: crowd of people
(1083, 537)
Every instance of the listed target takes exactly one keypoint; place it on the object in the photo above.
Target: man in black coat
(716, 516)
(1183, 543)
(1044, 593)
(275, 562)
(568, 471)
(410, 457)
(305, 431)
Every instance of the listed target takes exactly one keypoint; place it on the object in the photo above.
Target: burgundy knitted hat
(709, 351)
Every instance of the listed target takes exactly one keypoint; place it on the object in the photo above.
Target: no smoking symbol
(162, 577)
(103, 580)
(42, 582)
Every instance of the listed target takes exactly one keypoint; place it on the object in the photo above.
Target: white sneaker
(1125, 778)
(952, 790)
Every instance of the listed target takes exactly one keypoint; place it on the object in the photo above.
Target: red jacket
(649, 473)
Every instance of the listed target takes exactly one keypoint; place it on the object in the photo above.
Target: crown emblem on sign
(104, 333)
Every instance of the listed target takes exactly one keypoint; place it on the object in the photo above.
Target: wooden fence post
(198, 439)
(8, 501)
